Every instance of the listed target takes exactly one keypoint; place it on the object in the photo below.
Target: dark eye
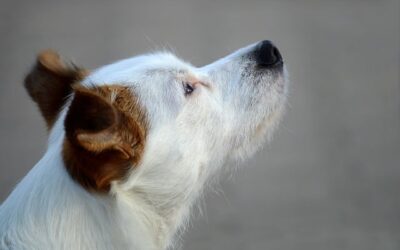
(188, 88)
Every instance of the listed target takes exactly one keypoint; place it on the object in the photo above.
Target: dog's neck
(144, 214)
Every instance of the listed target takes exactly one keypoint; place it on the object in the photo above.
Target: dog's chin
(260, 135)
(262, 131)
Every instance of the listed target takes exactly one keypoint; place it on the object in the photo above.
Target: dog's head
(158, 117)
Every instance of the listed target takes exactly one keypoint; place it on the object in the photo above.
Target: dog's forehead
(136, 69)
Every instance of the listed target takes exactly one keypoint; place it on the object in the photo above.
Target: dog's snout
(267, 55)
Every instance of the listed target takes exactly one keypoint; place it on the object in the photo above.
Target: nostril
(276, 53)
(267, 54)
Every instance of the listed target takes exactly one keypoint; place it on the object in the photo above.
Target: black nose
(267, 55)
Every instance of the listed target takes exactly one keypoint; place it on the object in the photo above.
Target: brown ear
(102, 142)
(49, 83)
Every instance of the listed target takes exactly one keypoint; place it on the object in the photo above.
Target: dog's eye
(188, 88)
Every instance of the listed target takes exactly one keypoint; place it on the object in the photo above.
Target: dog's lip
(278, 67)
(277, 64)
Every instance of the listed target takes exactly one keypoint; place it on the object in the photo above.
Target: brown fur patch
(50, 82)
(105, 135)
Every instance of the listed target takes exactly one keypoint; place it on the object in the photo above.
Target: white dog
(132, 145)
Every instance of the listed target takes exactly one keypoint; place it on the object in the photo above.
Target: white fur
(189, 140)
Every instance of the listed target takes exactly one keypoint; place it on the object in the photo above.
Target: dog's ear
(102, 141)
(50, 82)
(93, 123)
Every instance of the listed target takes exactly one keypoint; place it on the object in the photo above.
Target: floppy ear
(49, 83)
(102, 142)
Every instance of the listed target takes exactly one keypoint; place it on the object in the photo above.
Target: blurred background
(330, 179)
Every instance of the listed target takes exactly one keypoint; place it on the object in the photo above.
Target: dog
(133, 144)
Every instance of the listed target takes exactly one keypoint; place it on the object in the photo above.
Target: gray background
(331, 177)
